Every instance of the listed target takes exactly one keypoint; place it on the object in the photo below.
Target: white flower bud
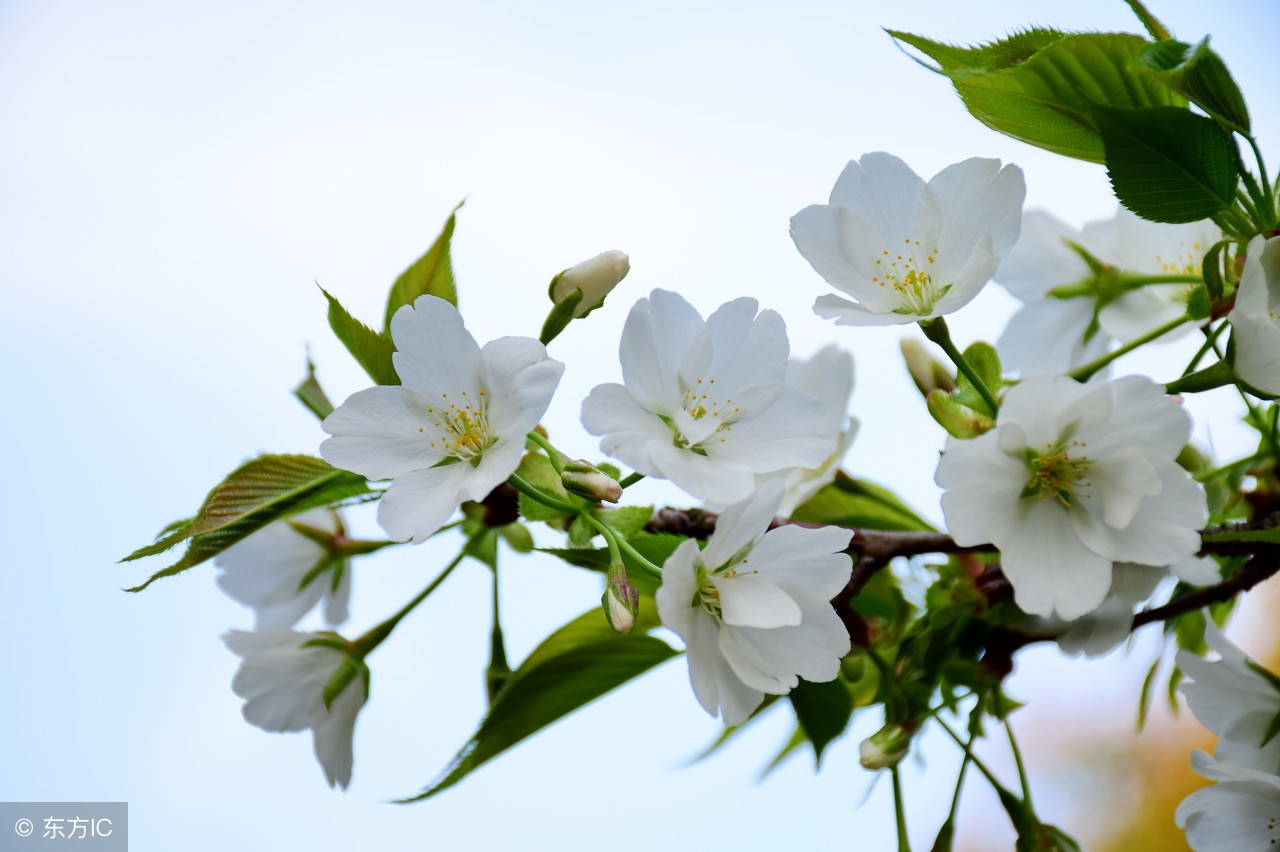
(885, 748)
(621, 602)
(595, 277)
(925, 371)
(586, 480)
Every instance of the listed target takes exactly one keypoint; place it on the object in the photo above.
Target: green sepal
(959, 420)
(1042, 86)
(571, 668)
(310, 394)
(348, 670)
(1199, 304)
(560, 316)
(1199, 75)
(1211, 269)
(1168, 164)
(986, 363)
(371, 349)
(429, 275)
(252, 496)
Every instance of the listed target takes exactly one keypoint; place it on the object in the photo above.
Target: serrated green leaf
(1168, 164)
(371, 350)
(252, 496)
(537, 470)
(858, 503)
(310, 394)
(823, 711)
(430, 275)
(627, 520)
(1042, 87)
(1199, 75)
(574, 666)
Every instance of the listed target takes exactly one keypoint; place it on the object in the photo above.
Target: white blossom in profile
(1240, 813)
(1256, 317)
(1050, 336)
(754, 607)
(283, 678)
(1072, 479)
(455, 427)
(1233, 699)
(704, 402)
(907, 250)
(282, 571)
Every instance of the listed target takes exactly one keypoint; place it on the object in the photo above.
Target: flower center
(707, 595)
(1186, 262)
(1055, 473)
(462, 428)
(907, 275)
(708, 417)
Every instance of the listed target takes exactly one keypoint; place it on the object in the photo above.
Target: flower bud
(886, 747)
(595, 277)
(586, 480)
(621, 602)
(926, 372)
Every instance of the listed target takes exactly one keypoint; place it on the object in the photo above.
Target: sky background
(177, 177)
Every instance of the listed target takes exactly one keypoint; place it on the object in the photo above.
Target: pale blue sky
(176, 177)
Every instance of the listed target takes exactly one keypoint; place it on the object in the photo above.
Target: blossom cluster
(1071, 476)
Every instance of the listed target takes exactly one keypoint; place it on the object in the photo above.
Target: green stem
(899, 811)
(1211, 337)
(1213, 376)
(361, 647)
(1022, 771)
(618, 543)
(968, 752)
(631, 479)
(541, 496)
(937, 331)
(1082, 374)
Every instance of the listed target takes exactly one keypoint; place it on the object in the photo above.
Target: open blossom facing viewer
(1256, 317)
(906, 250)
(704, 403)
(1073, 478)
(283, 678)
(754, 607)
(455, 428)
(282, 572)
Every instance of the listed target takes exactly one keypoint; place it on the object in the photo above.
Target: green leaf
(823, 710)
(1168, 164)
(430, 275)
(574, 666)
(252, 496)
(310, 394)
(371, 350)
(627, 520)
(857, 503)
(1043, 86)
(537, 470)
(1200, 76)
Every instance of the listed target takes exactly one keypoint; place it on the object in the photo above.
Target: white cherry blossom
(282, 679)
(1256, 317)
(1231, 698)
(453, 430)
(753, 607)
(1051, 335)
(705, 403)
(906, 250)
(1240, 813)
(282, 573)
(1072, 479)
